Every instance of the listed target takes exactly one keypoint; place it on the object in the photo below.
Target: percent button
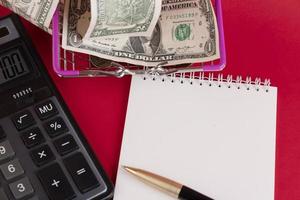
(56, 127)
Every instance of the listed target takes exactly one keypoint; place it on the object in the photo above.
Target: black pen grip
(189, 194)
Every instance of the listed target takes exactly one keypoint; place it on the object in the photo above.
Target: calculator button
(6, 151)
(12, 169)
(46, 110)
(65, 145)
(42, 155)
(56, 127)
(2, 133)
(3, 195)
(32, 137)
(81, 172)
(21, 188)
(55, 183)
(23, 120)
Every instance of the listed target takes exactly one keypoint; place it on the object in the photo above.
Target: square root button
(23, 120)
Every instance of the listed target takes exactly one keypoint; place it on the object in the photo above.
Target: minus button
(65, 145)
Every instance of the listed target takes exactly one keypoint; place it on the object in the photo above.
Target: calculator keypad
(58, 162)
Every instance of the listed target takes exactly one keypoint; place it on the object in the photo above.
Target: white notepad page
(219, 141)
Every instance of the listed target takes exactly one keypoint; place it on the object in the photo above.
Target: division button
(21, 188)
(81, 172)
(23, 120)
(42, 155)
(55, 183)
(65, 145)
(46, 110)
(56, 127)
(6, 151)
(12, 169)
(32, 137)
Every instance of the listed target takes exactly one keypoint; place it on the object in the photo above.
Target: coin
(100, 62)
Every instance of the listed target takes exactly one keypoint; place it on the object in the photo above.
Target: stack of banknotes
(139, 32)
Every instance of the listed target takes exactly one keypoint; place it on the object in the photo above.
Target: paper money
(38, 12)
(76, 21)
(123, 17)
(186, 32)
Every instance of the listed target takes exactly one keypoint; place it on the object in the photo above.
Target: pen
(166, 185)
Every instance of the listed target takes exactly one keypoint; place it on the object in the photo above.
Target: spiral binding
(211, 80)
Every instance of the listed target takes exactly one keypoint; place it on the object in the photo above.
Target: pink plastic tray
(72, 64)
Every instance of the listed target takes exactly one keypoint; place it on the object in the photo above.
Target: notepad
(215, 135)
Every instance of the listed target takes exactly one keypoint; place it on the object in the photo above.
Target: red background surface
(262, 39)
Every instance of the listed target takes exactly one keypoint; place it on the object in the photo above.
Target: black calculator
(43, 153)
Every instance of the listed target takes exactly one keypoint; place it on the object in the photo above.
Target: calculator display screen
(12, 65)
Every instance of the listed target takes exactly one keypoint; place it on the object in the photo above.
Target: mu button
(46, 110)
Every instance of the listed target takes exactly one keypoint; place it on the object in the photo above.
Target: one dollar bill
(186, 32)
(123, 17)
(38, 12)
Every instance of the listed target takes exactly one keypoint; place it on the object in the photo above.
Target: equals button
(81, 172)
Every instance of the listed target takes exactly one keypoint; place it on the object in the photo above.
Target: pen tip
(129, 169)
(126, 168)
